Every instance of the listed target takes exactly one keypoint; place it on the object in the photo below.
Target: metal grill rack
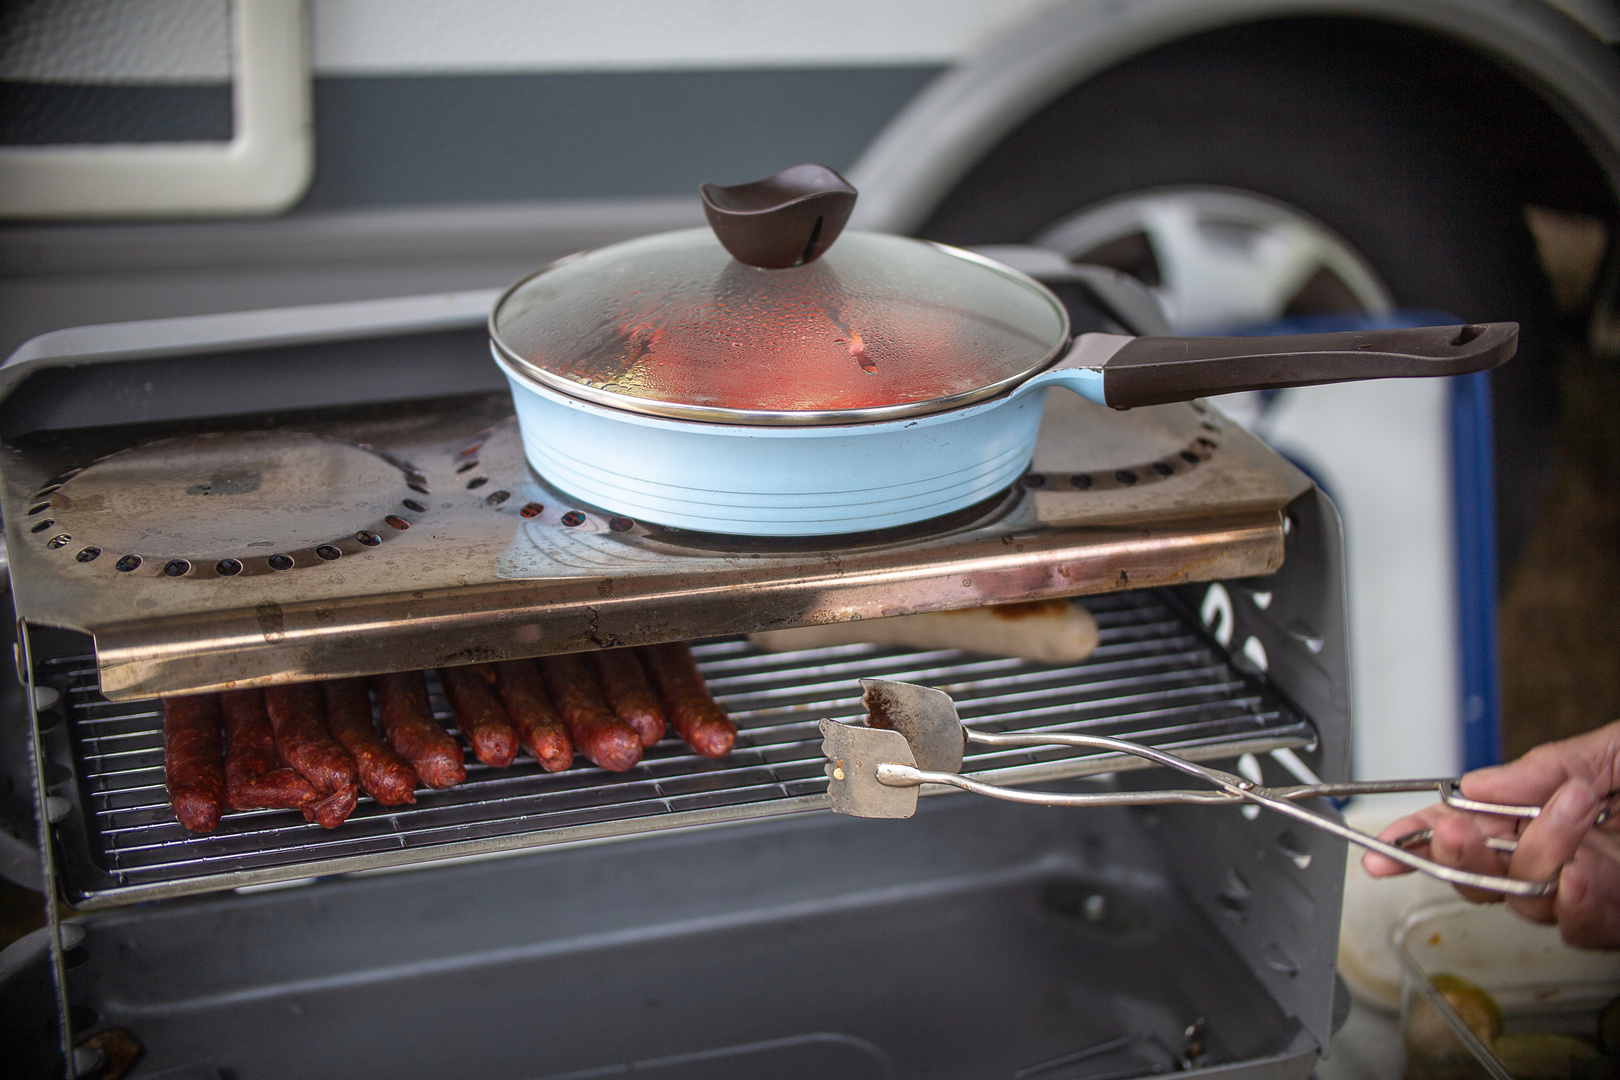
(1154, 678)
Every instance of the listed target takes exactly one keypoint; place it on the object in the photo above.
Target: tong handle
(1233, 789)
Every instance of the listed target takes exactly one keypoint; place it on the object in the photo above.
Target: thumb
(1550, 841)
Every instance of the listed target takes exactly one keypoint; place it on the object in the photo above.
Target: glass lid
(769, 330)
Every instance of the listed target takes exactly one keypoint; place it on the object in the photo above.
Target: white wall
(1383, 450)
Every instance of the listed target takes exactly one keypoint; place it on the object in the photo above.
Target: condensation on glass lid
(878, 321)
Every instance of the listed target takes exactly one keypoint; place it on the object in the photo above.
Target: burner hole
(620, 524)
(40, 509)
(328, 552)
(420, 489)
(89, 554)
(397, 522)
(532, 510)
(1163, 468)
(1080, 480)
(60, 540)
(75, 957)
(495, 498)
(128, 563)
(467, 466)
(177, 568)
(573, 517)
(477, 482)
(41, 526)
(228, 567)
(1207, 444)
(415, 476)
(44, 491)
(1033, 480)
(471, 450)
(1190, 458)
(1125, 476)
(412, 504)
(370, 539)
(278, 561)
(1208, 426)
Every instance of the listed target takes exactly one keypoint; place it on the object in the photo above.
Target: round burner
(228, 504)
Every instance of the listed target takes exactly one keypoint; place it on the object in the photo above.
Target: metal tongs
(913, 737)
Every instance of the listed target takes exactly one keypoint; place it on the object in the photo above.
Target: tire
(1369, 151)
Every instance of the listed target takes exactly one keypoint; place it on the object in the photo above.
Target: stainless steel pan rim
(675, 410)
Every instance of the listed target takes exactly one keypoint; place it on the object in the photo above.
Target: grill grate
(1154, 678)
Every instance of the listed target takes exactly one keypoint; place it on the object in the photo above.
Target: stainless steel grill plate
(1154, 678)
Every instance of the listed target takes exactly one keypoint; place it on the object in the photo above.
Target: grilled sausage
(539, 728)
(624, 682)
(692, 710)
(192, 767)
(383, 774)
(413, 733)
(304, 743)
(598, 734)
(254, 780)
(480, 715)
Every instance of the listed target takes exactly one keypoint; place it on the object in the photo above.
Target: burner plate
(228, 504)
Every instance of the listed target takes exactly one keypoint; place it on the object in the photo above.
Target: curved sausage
(192, 767)
(480, 715)
(413, 733)
(538, 726)
(304, 743)
(383, 774)
(598, 734)
(624, 682)
(254, 780)
(692, 710)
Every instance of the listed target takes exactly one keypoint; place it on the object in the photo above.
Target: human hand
(1571, 780)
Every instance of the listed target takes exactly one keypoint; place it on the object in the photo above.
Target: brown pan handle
(1156, 370)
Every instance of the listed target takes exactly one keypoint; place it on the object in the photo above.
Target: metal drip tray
(1155, 677)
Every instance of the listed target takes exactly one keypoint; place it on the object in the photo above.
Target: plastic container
(1540, 983)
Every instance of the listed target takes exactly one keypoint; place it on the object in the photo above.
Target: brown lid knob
(785, 220)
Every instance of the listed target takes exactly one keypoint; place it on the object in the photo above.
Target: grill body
(689, 918)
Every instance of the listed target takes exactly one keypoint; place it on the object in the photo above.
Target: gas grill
(272, 497)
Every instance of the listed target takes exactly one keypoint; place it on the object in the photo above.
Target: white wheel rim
(1227, 259)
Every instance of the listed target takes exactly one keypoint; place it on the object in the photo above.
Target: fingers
(1588, 907)
(1531, 780)
(1459, 841)
(1378, 865)
(1550, 841)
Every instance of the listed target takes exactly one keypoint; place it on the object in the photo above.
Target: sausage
(692, 710)
(538, 726)
(192, 767)
(628, 692)
(254, 780)
(383, 774)
(480, 715)
(413, 733)
(598, 734)
(303, 742)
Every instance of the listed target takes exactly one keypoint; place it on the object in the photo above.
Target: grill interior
(1155, 677)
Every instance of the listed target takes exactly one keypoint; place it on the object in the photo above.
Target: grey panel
(42, 114)
(1270, 884)
(473, 138)
(971, 941)
(253, 381)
